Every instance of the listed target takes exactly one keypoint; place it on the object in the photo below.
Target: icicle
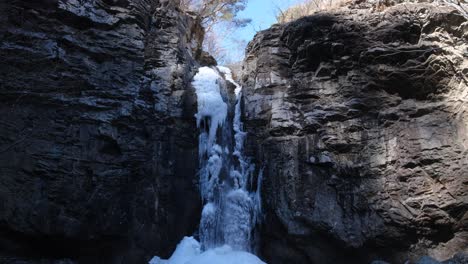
(238, 225)
(208, 226)
(257, 199)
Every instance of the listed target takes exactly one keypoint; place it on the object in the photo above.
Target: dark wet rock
(96, 165)
(206, 59)
(359, 118)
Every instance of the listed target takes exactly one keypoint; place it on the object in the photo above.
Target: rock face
(360, 119)
(96, 165)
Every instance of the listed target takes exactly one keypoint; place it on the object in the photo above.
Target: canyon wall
(359, 117)
(98, 154)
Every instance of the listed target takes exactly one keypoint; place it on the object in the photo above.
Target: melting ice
(231, 204)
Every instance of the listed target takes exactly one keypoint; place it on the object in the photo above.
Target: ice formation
(211, 107)
(230, 194)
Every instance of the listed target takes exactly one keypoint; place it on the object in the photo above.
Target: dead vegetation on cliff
(309, 7)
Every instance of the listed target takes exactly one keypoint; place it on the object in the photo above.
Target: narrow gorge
(342, 138)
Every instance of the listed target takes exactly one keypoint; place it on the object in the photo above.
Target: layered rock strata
(97, 162)
(360, 119)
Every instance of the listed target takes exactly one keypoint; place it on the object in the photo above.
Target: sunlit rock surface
(360, 117)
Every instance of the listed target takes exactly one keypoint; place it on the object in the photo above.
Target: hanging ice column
(211, 116)
(228, 216)
(231, 205)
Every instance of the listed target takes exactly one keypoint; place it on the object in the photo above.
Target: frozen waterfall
(229, 189)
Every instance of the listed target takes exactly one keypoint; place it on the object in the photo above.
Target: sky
(263, 15)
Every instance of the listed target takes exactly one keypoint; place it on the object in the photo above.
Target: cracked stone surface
(360, 119)
(94, 154)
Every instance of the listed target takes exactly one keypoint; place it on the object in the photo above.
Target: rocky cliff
(96, 164)
(360, 119)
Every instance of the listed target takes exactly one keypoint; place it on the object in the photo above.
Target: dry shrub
(308, 7)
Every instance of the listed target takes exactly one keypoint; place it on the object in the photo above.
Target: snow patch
(188, 252)
(228, 75)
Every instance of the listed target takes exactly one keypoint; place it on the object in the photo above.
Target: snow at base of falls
(189, 252)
